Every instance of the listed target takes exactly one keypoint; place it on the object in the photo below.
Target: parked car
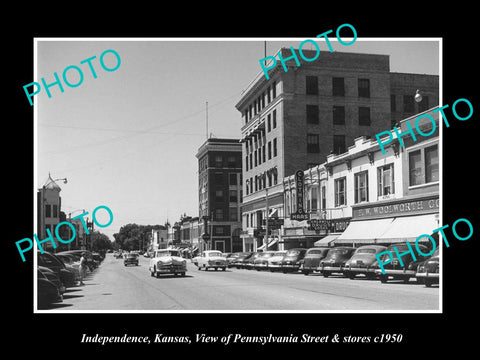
(71, 262)
(275, 261)
(131, 259)
(47, 292)
(238, 262)
(50, 261)
(428, 271)
(232, 257)
(52, 277)
(292, 260)
(167, 261)
(248, 262)
(363, 261)
(394, 268)
(335, 260)
(211, 259)
(261, 261)
(312, 259)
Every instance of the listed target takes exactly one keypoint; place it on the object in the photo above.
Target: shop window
(415, 167)
(431, 164)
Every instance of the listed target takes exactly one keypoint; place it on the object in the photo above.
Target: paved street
(116, 287)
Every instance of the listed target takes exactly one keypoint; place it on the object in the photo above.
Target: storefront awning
(366, 231)
(326, 240)
(408, 228)
(272, 242)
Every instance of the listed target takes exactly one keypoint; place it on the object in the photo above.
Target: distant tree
(134, 236)
(100, 241)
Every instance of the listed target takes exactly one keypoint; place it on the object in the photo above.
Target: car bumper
(427, 275)
(331, 268)
(170, 271)
(360, 270)
(399, 272)
(290, 267)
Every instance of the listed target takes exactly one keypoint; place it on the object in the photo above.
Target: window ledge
(423, 185)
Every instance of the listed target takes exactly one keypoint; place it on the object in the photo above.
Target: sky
(128, 139)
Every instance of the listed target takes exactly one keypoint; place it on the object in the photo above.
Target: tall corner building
(220, 193)
(294, 120)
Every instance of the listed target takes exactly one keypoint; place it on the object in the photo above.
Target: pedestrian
(83, 267)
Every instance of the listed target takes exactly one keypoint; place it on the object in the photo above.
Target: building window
(338, 144)
(274, 147)
(274, 90)
(218, 214)
(233, 196)
(338, 87)
(251, 185)
(218, 161)
(431, 164)
(263, 154)
(269, 150)
(55, 209)
(324, 199)
(232, 162)
(218, 195)
(247, 186)
(274, 119)
(218, 178)
(48, 211)
(256, 182)
(259, 155)
(246, 163)
(269, 96)
(313, 145)
(251, 161)
(311, 85)
(408, 104)
(361, 187)
(233, 215)
(386, 180)
(269, 123)
(255, 158)
(364, 116)
(339, 115)
(232, 179)
(415, 167)
(340, 191)
(312, 114)
(314, 198)
(275, 177)
(364, 88)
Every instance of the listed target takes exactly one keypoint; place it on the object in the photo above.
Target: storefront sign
(300, 214)
(331, 225)
(398, 208)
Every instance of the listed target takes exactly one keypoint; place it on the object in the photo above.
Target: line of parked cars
(56, 272)
(346, 261)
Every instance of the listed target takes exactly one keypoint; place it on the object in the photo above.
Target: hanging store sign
(300, 214)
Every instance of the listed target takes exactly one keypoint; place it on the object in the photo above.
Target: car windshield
(366, 251)
(293, 252)
(215, 253)
(132, 255)
(167, 253)
(316, 252)
(338, 252)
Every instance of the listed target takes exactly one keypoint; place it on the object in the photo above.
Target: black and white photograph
(241, 190)
(231, 192)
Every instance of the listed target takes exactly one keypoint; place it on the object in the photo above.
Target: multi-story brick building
(220, 193)
(294, 120)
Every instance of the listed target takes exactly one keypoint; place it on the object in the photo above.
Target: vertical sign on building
(299, 184)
